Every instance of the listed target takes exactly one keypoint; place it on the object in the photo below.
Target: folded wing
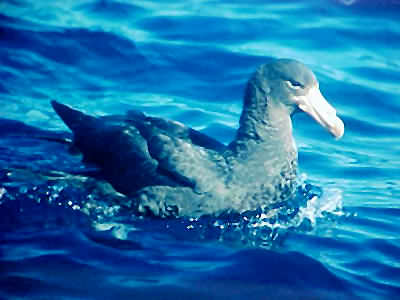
(136, 151)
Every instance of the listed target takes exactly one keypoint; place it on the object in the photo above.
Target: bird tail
(73, 118)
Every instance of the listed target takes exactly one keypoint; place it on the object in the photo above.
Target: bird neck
(265, 126)
(262, 159)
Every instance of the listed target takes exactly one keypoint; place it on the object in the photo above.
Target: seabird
(168, 169)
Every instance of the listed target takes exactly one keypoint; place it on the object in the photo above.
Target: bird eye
(294, 84)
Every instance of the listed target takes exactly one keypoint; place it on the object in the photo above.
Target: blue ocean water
(62, 237)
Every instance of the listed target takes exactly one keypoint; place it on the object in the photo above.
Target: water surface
(189, 61)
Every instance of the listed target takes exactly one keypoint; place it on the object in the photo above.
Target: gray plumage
(170, 169)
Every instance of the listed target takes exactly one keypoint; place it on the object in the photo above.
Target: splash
(87, 202)
(54, 198)
(267, 227)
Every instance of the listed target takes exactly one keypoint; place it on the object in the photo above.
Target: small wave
(111, 9)
(268, 227)
(94, 204)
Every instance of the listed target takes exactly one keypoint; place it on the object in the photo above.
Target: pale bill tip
(337, 129)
